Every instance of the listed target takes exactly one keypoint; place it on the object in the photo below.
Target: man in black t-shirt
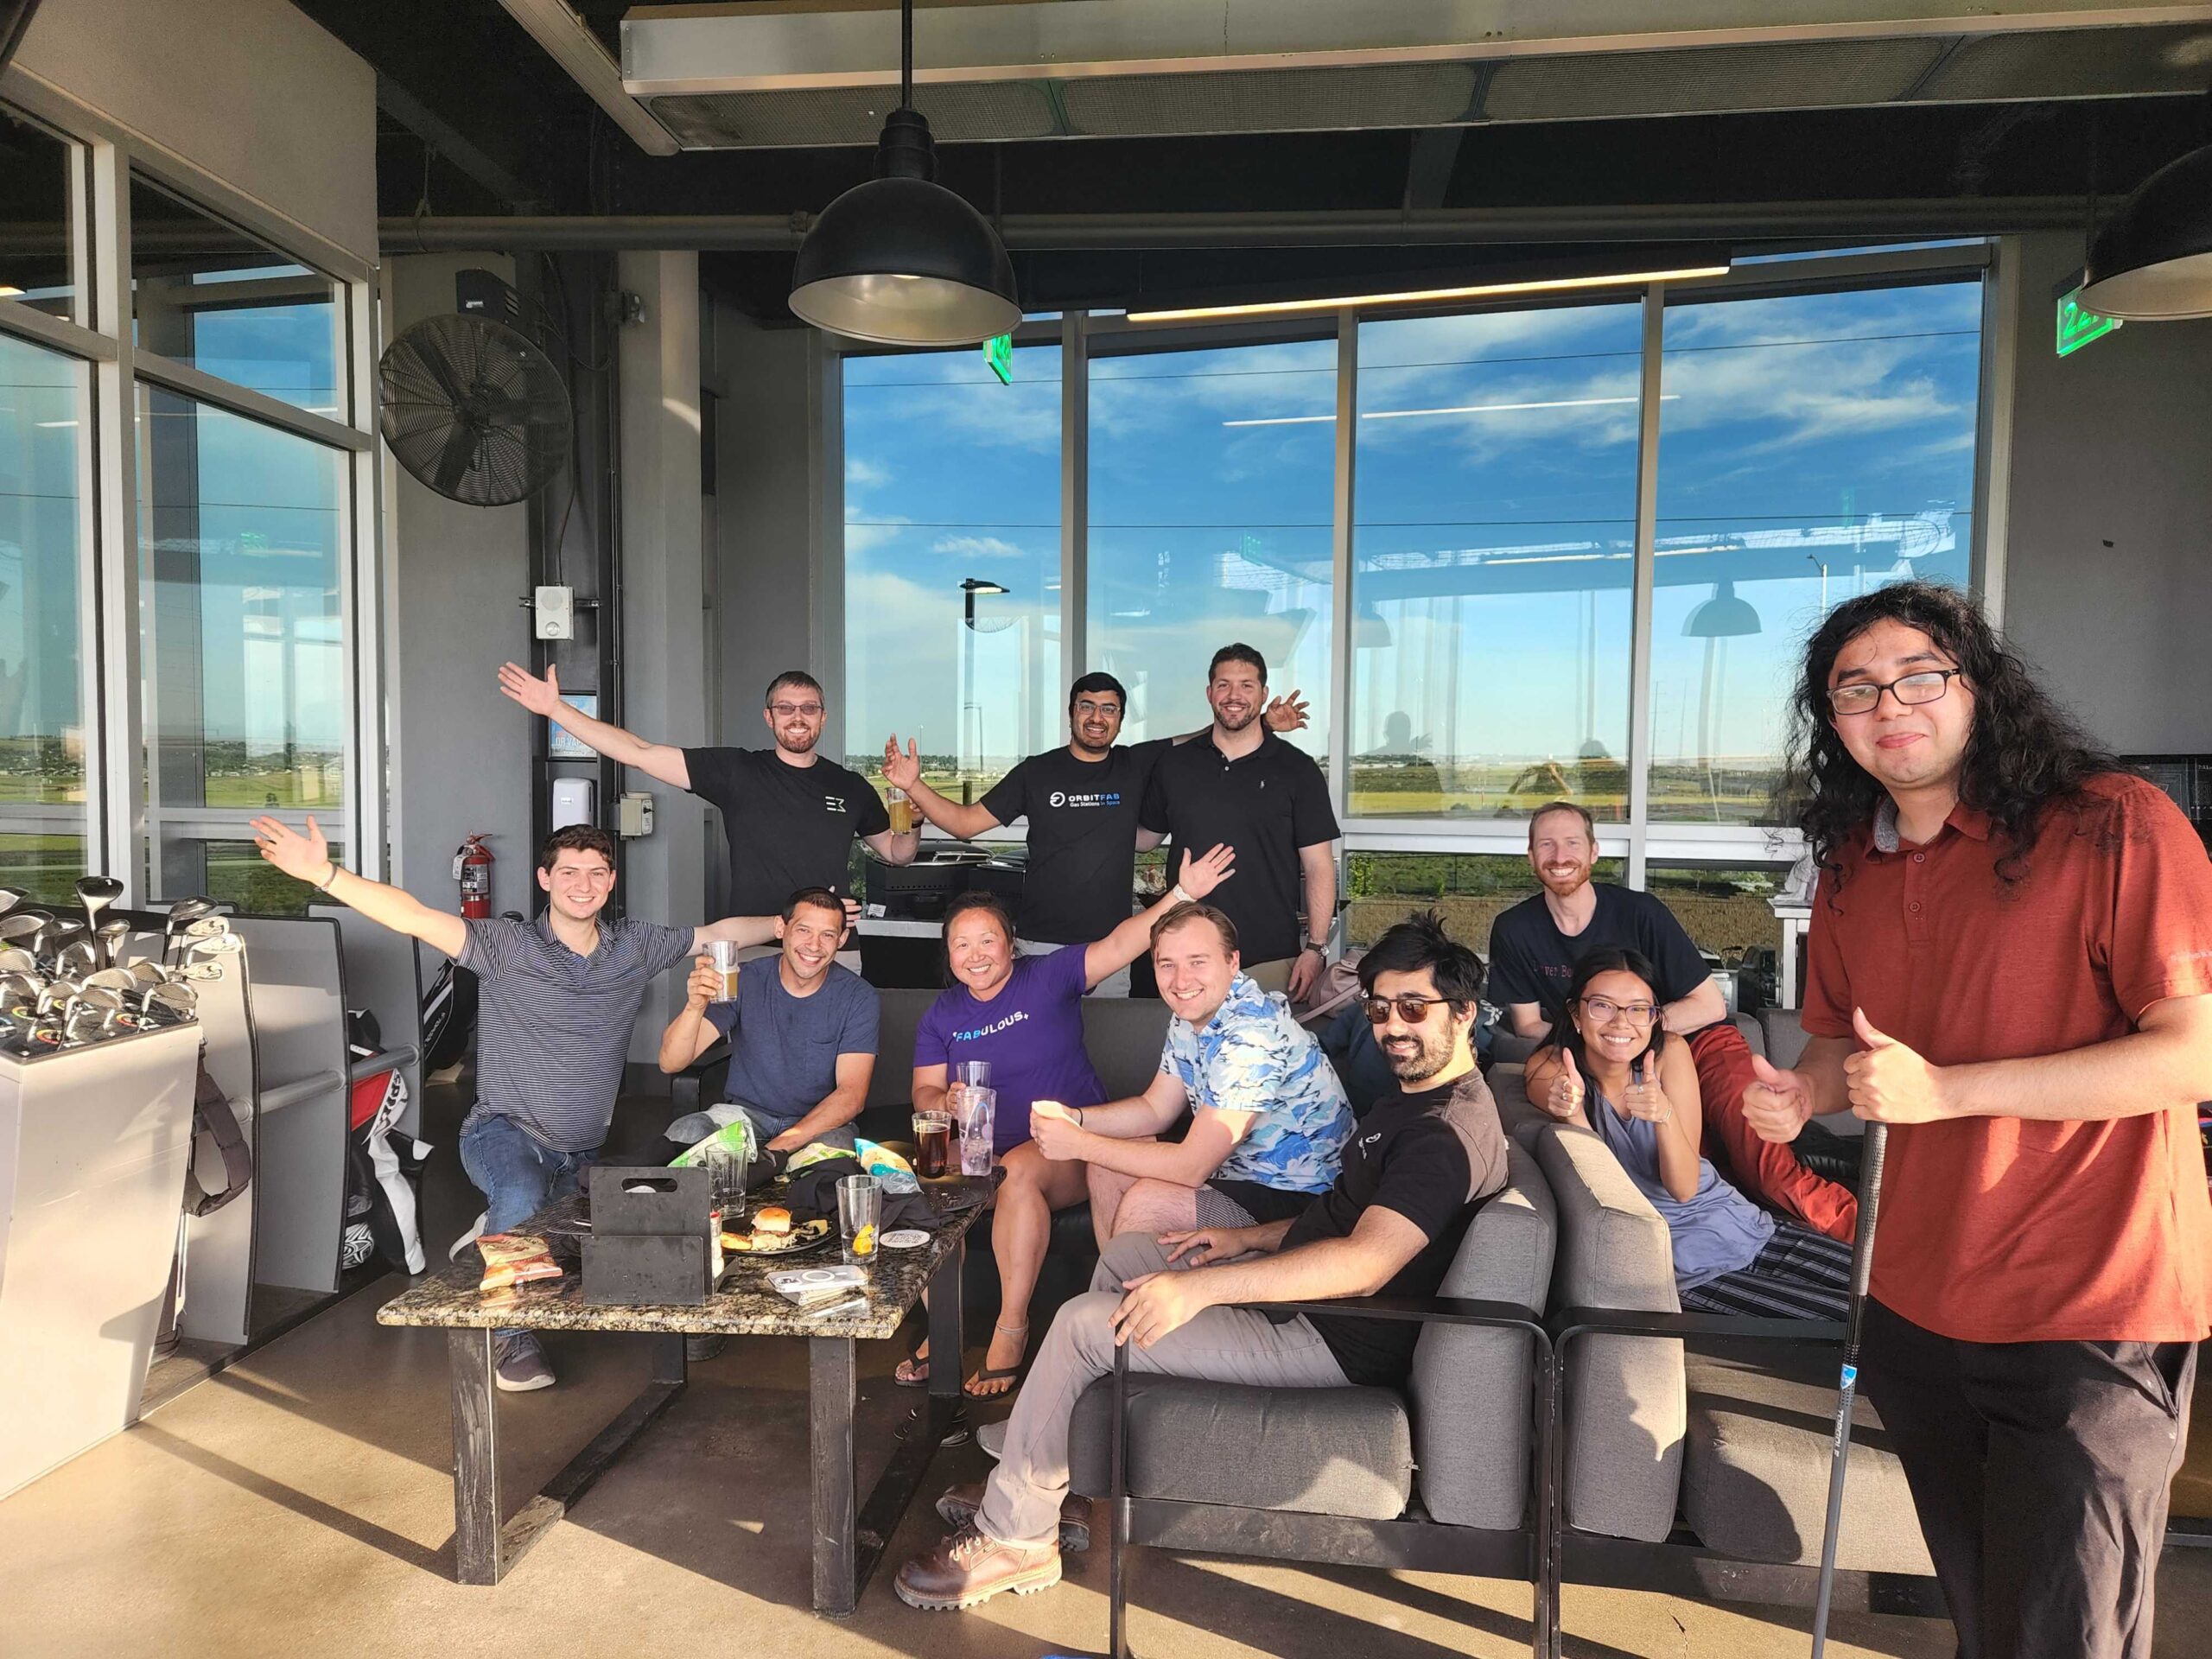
(1534, 945)
(1420, 1163)
(1081, 801)
(791, 816)
(1242, 785)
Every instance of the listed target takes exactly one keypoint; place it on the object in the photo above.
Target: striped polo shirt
(553, 1027)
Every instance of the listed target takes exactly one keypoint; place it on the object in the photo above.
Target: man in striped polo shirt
(553, 1028)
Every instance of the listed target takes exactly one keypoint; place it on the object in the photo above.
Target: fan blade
(454, 460)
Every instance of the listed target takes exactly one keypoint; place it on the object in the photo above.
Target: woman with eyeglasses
(1611, 1067)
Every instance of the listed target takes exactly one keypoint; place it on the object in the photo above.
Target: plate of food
(773, 1233)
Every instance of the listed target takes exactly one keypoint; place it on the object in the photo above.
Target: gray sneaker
(992, 1437)
(522, 1365)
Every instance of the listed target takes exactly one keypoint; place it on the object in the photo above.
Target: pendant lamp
(2152, 261)
(901, 260)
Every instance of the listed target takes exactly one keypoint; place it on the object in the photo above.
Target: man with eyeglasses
(1420, 1165)
(791, 816)
(1268, 1116)
(1081, 803)
(2011, 964)
(1534, 947)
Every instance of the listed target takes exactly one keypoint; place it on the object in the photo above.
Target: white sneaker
(992, 1437)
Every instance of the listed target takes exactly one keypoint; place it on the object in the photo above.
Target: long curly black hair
(2024, 753)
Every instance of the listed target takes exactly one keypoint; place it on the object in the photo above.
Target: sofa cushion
(1755, 1463)
(1520, 1120)
(1346, 1451)
(1473, 1386)
(1624, 1443)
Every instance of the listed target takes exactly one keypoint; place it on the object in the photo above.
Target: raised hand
(1202, 873)
(1645, 1098)
(303, 857)
(1563, 1100)
(704, 986)
(1286, 714)
(1889, 1082)
(1776, 1103)
(902, 770)
(539, 697)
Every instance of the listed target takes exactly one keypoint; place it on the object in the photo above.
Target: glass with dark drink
(933, 1145)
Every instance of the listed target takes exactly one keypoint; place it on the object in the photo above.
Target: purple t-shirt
(1031, 1033)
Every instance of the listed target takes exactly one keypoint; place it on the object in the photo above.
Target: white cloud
(976, 547)
(864, 475)
(876, 532)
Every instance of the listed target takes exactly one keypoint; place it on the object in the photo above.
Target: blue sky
(1494, 506)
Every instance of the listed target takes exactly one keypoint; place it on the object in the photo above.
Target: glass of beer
(932, 1145)
(902, 813)
(723, 953)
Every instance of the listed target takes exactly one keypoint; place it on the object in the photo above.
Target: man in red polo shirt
(2011, 963)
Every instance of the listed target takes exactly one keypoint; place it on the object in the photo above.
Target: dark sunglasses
(1411, 1009)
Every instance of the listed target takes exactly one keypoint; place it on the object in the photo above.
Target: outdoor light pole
(971, 708)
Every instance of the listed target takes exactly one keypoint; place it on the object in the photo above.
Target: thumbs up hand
(1775, 1103)
(1889, 1082)
(1563, 1099)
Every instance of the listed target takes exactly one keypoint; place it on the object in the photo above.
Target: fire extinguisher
(472, 868)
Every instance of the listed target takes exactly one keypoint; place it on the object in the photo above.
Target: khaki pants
(1272, 976)
(1021, 1504)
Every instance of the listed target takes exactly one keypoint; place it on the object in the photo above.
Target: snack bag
(511, 1259)
(736, 1137)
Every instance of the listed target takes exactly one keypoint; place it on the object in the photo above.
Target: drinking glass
(726, 1180)
(723, 952)
(932, 1145)
(860, 1210)
(977, 1107)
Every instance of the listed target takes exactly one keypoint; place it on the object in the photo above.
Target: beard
(1430, 1055)
(1236, 722)
(801, 743)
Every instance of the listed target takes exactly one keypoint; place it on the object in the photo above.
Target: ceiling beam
(572, 45)
(1429, 166)
(447, 141)
(765, 47)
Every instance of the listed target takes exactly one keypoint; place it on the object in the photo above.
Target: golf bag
(383, 1167)
(448, 1017)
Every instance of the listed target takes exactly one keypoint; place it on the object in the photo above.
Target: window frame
(1641, 843)
(121, 821)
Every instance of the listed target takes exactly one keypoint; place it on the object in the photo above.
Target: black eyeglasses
(1927, 685)
(1411, 1009)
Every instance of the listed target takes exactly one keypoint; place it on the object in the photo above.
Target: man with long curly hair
(2011, 963)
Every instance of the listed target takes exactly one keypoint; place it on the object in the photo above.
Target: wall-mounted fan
(473, 410)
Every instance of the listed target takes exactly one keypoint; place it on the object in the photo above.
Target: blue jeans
(517, 1176)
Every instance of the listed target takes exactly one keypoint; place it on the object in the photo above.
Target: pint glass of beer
(902, 813)
(723, 952)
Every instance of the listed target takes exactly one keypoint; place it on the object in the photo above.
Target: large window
(1495, 533)
(1812, 447)
(44, 401)
(240, 533)
(952, 563)
(39, 205)
(1541, 497)
(1211, 484)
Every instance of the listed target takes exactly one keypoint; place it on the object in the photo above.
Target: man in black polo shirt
(1417, 1166)
(791, 816)
(1241, 785)
(1081, 801)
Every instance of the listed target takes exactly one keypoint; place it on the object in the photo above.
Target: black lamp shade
(903, 261)
(2152, 262)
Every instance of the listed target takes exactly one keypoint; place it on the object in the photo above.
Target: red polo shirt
(2004, 1229)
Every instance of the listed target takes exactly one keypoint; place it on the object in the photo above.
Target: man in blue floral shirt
(1268, 1118)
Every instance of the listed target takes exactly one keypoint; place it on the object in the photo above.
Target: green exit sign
(2078, 326)
(998, 352)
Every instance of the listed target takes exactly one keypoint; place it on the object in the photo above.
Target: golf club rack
(125, 1214)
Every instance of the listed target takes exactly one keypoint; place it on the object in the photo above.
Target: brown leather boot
(961, 1504)
(970, 1567)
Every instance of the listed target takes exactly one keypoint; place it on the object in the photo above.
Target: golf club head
(21, 924)
(10, 898)
(214, 944)
(96, 894)
(13, 959)
(171, 1004)
(57, 993)
(78, 959)
(195, 971)
(109, 936)
(148, 973)
(182, 914)
(121, 981)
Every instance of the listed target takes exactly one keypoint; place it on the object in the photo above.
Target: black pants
(2040, 1470)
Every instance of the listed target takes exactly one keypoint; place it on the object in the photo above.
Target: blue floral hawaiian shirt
(1253, 1057)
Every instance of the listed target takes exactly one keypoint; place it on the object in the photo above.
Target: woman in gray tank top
(1609, 1067)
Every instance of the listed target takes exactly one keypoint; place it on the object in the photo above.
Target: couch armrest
(1424, 1310)
(1570, 1323)
(683, 1087)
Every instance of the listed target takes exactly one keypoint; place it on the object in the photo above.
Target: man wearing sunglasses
(790, 814)
(1419, 1166)
(2011, 964)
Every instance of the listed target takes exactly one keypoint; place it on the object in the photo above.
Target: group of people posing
(2010, 960)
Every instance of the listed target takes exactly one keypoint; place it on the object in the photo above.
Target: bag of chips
(511, 1259)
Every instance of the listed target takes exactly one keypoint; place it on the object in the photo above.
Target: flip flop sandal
(1011, 1375)
(911, 1372)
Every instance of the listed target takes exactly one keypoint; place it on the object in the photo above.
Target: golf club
(78, 959)
(13, 959)
(96, 894)
(21, 925)
(110, 936)
(1862, 1261)
(195, 971)
(173, 1003)
(10, 898)
(182, 914)
(148, 972)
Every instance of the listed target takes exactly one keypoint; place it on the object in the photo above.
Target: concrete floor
(300, 1504)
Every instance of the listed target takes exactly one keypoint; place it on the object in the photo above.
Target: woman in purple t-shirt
(1024, 1014)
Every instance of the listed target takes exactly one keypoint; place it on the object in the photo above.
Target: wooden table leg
(831, 1397)
(475, 1458)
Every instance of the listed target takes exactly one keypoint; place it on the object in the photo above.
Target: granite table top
(742, 1304)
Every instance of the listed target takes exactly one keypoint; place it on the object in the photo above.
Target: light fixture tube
(1429, 296)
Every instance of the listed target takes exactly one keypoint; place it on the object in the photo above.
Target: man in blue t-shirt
(802, 1030)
